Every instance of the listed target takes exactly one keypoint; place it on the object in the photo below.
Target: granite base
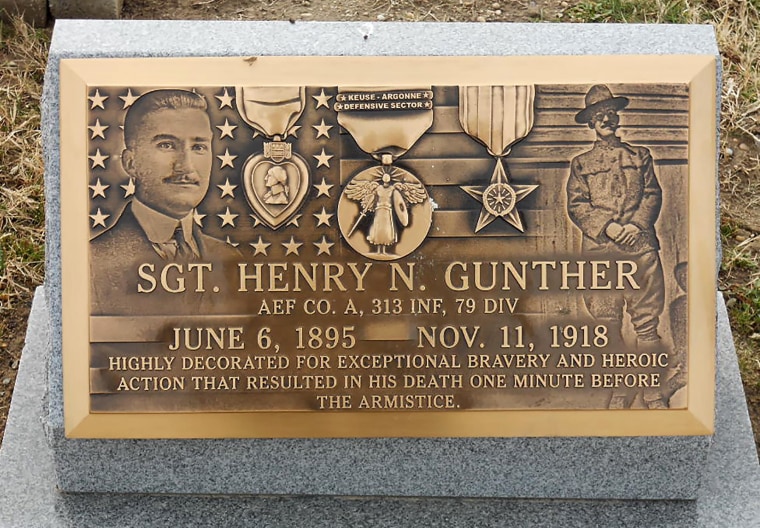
(611, 468)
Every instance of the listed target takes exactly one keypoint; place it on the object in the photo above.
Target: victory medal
(384, 212)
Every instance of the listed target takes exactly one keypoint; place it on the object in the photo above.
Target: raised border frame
(698, 71)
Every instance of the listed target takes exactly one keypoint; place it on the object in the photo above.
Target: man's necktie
(184, 251)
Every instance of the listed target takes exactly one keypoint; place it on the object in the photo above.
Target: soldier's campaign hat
(598, 97)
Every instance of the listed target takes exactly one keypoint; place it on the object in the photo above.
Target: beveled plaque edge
(699, 71)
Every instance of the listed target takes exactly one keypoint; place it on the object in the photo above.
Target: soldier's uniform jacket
(614, 182)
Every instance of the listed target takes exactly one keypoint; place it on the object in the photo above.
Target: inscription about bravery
(387, 248)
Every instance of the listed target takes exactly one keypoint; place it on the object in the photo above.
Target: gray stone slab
(728, 496)
(663, 467)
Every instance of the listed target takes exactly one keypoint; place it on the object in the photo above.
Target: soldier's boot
(619, 400)
(654, 399)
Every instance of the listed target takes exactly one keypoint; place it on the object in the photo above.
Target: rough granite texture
(661, 467)
(728, 495)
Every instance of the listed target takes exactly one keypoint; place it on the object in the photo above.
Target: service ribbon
(385, 120)
(270, 110)
(497, 116)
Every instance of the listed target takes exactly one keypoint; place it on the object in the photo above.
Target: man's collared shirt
(160, 229)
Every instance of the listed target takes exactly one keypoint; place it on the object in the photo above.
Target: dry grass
(22, 217)
(736, 23)
(23, 53)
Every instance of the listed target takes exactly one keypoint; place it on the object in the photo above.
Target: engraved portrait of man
(614, 198)
(276, 182)
(167, 137)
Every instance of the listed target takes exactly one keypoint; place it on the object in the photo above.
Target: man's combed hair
(158, 100)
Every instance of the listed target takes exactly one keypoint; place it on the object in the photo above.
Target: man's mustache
(185, 177)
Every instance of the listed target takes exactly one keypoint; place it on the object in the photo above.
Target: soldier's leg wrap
(646, 304)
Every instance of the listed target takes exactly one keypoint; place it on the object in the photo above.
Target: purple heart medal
(276, 181)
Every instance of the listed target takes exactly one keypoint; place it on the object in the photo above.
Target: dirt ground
(11, 342)
(363, 10)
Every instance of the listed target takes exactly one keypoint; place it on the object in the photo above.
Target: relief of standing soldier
(614, 198)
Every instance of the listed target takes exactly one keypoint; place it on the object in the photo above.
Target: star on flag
(227, 189)
(227, 159)
(198, 218)
(98, 160)
(323, 218)
(98, 189)
(292, 247)
(129, 188)
(322, 99)
(293, 131)
(98, 130)
(259, 247)
(323, 159)
(322, 129)
(323, 189)
(99, 219)
(226, 129)
(294, 221)
(323, 246)
(129, 99)
(225, 100)
(228, 218)
(97, 100)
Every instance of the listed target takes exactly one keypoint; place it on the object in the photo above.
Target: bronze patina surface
(436, 254)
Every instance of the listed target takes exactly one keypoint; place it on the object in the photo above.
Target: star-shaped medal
(499, 199)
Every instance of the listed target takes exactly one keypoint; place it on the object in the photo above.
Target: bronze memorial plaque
(366, 247)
